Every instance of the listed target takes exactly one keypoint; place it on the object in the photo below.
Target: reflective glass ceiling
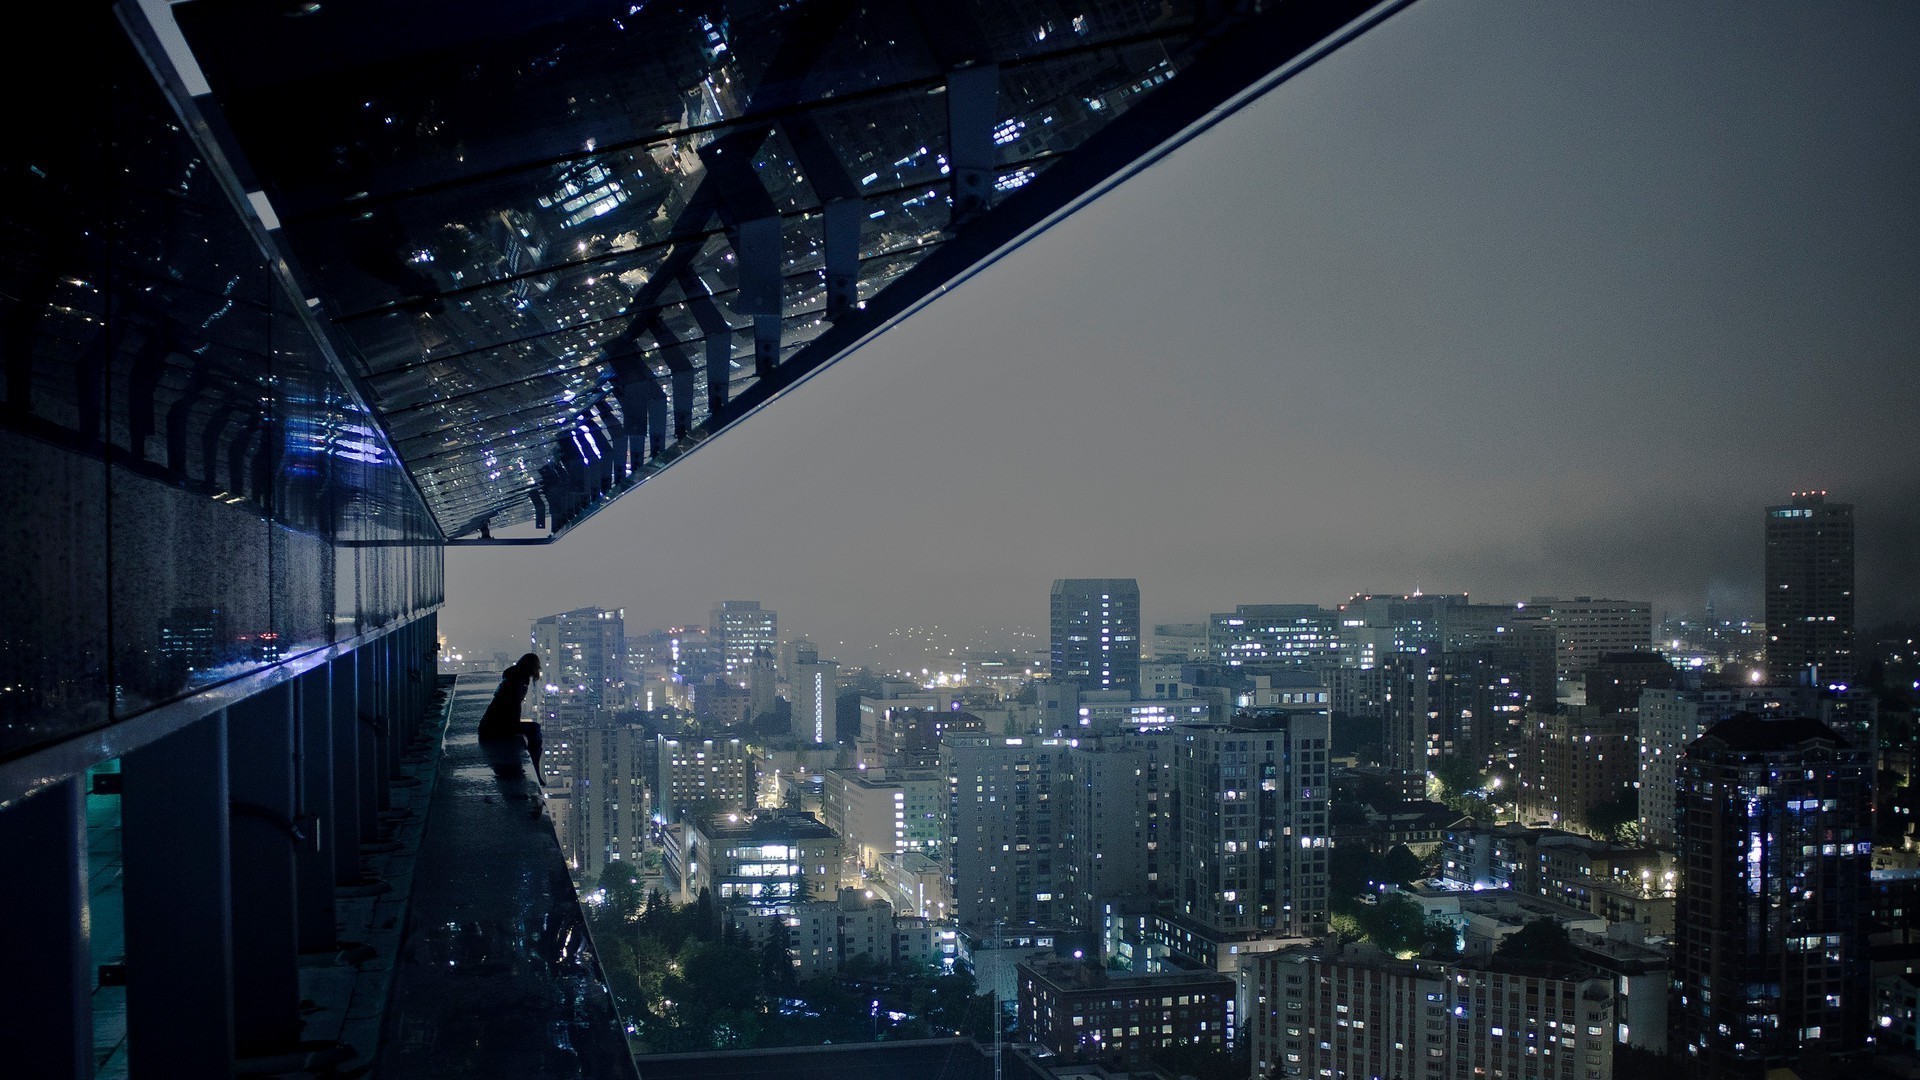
(559, 244)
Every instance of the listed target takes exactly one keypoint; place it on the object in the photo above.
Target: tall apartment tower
(1588, 628)
(1096, 633)
(1115, 797)
(741, 629)
(1250, 824)
(609, 819)
(702, 777)
(583, 657)
(1810, 589)
(1670, 719)
(815, 688)
(1771, 952)
(1005, 859)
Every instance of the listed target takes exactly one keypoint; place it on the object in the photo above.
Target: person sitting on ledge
(502, 720)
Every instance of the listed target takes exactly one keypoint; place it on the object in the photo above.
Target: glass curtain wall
(192, 493)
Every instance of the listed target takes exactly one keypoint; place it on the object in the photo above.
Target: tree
(1458, 776)
(776, 963)
(1399, 866)
(1615, 819)
(1396, 924)
(621, 882)
(1541, 941)
(1440, 940)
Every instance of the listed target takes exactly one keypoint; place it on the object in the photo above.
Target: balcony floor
(496, 977)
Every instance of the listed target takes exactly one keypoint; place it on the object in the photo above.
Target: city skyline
(1498, 419)
(1513, 304)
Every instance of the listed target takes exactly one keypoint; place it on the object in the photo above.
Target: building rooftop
(768, 825)
(1752, 733)
(946, 1059)
(1067, 975)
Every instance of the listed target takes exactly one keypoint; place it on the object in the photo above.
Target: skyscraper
(742, 629)
(1113, 796)
(1262, 637)
(1006, 867)
(1771, 949)
(1096, 632)
(1810, 589)
(583, 658)
(1670, 719)
(609, 819)
(1250, 825)
(816, 690)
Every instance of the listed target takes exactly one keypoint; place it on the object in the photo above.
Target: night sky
(1508, 299)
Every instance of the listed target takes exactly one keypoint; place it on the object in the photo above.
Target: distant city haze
(1508, 300)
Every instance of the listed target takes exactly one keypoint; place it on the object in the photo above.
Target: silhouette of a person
(502, 720)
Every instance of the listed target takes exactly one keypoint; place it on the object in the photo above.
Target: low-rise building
(764, 862)
(1361, 1013)
(823, 936)
(694, 776)
(1074, 1007)
(916, 884)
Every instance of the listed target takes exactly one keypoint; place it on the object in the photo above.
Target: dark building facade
(1771, 947)
(1250, 825)
(1072, 1008)
(1810, 589)
(1096, 633)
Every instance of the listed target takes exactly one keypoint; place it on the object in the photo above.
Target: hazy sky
(1513, 299)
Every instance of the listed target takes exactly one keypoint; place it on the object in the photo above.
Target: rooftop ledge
(496, 976)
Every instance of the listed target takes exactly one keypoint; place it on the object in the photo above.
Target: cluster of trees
(1393, 922)
(687, 980)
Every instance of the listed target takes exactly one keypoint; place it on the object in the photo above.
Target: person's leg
(532, 731)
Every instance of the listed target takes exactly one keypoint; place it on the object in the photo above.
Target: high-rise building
(1070, 1008)
(583, 659)
(1771, 948)
(1810, 590)
(1373, 627)
(1250, 825)
(1587, 628)
(1115, 797)
(708, 775)
(1362, 1013)
(880, 812)
(1096, 632)
(1267, 636)
(794, 652)
(763, 685)
(1410, 687)
(741, 629)
(1180, 642)
(1577, 769)
(815, 687)
(1004, 844)
(608, 818)
(1672, 718)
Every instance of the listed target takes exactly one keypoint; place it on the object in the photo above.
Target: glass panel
(139, 323)
(53, 594)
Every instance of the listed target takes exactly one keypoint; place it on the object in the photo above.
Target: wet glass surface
(496, 976)
(179, 453)
(495, 210)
